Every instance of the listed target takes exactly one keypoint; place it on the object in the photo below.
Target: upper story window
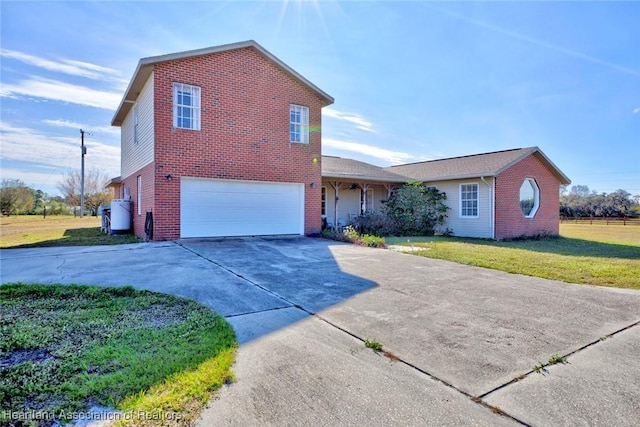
(186, 106)
(135, 124)
(299, 124)
(469, 200)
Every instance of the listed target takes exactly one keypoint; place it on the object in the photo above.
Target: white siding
(468, 227)
(135, 156)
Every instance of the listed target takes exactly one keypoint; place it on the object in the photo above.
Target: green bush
(372, 241)
(412, 210)
(351, 235)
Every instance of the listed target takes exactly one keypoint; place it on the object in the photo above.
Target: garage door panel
(212, 208)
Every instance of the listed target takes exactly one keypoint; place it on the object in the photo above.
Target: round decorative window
(529, 197)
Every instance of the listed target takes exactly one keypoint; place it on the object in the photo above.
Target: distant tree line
(581, 202)
(17, 198)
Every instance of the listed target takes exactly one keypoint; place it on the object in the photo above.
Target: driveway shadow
(302, 272)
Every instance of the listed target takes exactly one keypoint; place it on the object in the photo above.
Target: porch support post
(389, 188)
(336, 187)
(363, 187)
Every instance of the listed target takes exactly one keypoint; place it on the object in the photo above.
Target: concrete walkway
(461, 341)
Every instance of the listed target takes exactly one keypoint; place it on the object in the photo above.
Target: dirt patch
(20, 356)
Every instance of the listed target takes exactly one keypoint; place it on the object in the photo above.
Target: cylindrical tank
(120, 215)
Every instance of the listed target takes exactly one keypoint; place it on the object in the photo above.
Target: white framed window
(299, 124)
(186, 106)
(135, 124)
(139, 195)
(469, 200)
(324, 201)
(369, 205)
(529, 197)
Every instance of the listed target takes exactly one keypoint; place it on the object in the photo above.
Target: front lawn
(64, 349)
(594, 256)
(31, 231)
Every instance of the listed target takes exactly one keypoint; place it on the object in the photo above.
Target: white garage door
(214, 207)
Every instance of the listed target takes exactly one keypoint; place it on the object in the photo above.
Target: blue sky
(412, 80)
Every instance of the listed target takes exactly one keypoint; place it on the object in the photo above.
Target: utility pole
(83, 150)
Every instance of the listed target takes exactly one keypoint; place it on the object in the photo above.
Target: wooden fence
(600, 221)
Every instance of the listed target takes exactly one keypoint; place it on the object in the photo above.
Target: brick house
(494, 195)
(226, 141)
(221, 141)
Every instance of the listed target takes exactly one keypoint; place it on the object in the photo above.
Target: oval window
(529, 197)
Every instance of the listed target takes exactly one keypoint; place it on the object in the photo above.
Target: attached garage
(216, 207)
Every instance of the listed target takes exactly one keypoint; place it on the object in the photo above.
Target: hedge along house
(222, 141)
(496, 195)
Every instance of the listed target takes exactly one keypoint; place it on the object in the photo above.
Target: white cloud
(359, 121)
(393, 157)
(636, 111)
(75, 125)
(46, 181)
(66, 66)
(61, 91)
(57, 152)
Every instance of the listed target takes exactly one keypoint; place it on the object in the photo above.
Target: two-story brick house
(226, 141)
(221, 141)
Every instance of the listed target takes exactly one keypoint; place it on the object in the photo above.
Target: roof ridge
(459, 157)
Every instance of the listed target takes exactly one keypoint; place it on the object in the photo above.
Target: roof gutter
(348, 177)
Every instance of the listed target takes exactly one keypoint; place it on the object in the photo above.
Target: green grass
(65, 348)
(586, 254)
(602, 233)
(373, 345)
(28, 231)
(553, 360)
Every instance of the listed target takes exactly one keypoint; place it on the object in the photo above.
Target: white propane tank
(120, 215)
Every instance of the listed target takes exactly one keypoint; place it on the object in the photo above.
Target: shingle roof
(337, 167)
(473, 166)
(146, 65)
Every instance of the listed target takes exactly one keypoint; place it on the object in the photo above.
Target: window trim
(460, 213)
(139, 195)
(323, 201)
(536, 197)
(135, 123)
(370, 199)
(195, 109)
(301, 128)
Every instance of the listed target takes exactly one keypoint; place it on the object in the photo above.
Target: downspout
(492, 223)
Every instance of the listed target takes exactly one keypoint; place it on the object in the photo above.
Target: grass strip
(602, 258)
(35, 231)
(66, 348)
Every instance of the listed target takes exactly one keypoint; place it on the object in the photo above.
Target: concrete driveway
(462, 341)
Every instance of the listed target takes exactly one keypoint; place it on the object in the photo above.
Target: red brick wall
(510, 221)
(148, 178)
(244, 132)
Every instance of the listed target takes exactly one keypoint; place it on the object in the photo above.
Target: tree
(581, 202)
(95, 193)
(15, 197)
(40, 199)
(580, 190)
(413, 209)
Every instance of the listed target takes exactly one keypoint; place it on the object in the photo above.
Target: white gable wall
(481, 226)
(135, 156)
